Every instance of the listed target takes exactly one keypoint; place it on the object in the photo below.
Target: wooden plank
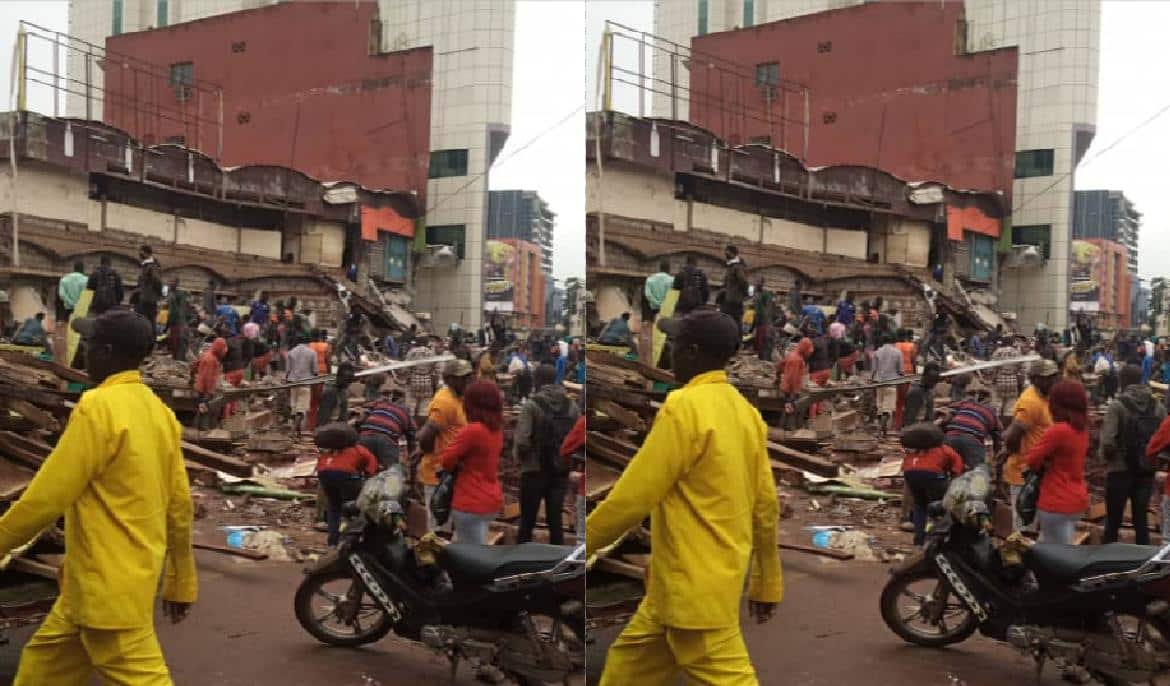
(235, 552)
(811, 463)
(604, 358)
(628, 419)
(607, 564)
(224, 463)
(23, 564)
(66, 373)
(835, 554)
(34, 414)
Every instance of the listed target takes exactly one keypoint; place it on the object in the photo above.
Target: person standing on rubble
(796, 298)
(445, 417)
(926, 473)
(69, 290)
(905, 345)
(118, 476)
(227, 315)
(206, 373)
(385, 424)
(887, 365)
(334, 403)
(320, 347)
(1030, 420)
(793, 371)
(1129, 425)
(302, 365)
(150, 285)
(846, 310)
(762, 323)
(545, 419)
(260, 311)
(691, 284)
(106, 285)
(178, 314)
(735, 285)
(972, 423)
(1007, 379)
(704, 478)
(920, 397)
(423, 380)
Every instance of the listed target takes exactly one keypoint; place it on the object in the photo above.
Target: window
(702, 17)
(163, 16)
(182, 74)
(768, 74)
(397, 251)
(454, 234)
(116, 27)
(446, 163)
(982, 257)
(1038, 235)
(1031, 163)
(749, 13)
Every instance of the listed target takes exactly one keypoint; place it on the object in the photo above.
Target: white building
(471, 113)
(1058, 43)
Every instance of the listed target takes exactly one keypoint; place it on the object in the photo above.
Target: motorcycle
(518, 609)
(1101, 610)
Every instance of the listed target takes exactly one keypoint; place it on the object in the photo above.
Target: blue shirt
(260, 312)
(581, 371)
(1147, 368)
(560, 370)
(816, 316)
(230, 316)
(846, 312)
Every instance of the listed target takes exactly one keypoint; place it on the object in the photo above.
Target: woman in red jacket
(1061, 452)
(476, 449)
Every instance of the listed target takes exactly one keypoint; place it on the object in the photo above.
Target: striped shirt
(387, 419)
(971, 418)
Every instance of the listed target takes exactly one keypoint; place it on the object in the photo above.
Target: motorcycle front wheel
(921, 609)
(335, 609)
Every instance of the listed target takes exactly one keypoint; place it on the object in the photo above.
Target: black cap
(124, 330)
(710, 330)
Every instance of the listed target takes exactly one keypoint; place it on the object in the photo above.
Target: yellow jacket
(118, 476)
(704, 477)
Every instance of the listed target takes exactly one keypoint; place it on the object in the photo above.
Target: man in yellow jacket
(118, 476)
(704, 478)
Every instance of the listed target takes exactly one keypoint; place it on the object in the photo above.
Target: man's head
(263, 296)
(319, 335)
(105, 261)
(731, 252)
(145, 252)
(963, 383)
(40, 316)
(413, 328)
(1130, 375)
(1043, 374)
(457, 375)
(692, 261)
(849, 297)
(664, 266)
(702, 341)
(760, 283)
(544, 375)
(930, 375)
(626, 316)
(117, 341)
(79, 266)
(797, 283)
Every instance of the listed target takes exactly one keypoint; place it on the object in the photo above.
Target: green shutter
(116, 28)
(162, 14)
(749, 13)
(702, 17)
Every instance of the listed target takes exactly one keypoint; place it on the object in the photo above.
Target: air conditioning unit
(439, 257)
(1023, 256)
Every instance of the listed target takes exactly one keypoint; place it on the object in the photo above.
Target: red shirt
(476, 449)
(1061, 451)
(940, 460)
(574, 441)
(1159, 442)
(793, 368)
(353, 460)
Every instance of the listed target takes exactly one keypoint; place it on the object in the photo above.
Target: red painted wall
(300, 89)
(889, 92)
(528, 284)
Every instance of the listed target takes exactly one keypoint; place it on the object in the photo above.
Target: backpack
(550, 431)
(105, 292)
(1139, 429)
(691, 296)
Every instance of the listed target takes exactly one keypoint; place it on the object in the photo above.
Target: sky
(544, 151)
(1131, 89)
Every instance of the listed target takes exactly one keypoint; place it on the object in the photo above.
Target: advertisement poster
(497, 276)
(1085, 272)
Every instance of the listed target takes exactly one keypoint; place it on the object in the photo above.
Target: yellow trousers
(650, 654)
(63, 654)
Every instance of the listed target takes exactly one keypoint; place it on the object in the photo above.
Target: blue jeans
(340, 488)
(581, 517)
(1056, 527)
(926, 487)
(470, 527)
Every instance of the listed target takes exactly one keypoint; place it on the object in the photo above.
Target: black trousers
(340, 488)
(1128, 487)
(148, 310)
(551, 488)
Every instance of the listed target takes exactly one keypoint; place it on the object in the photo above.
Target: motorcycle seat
(1064, 564)
(479, 564)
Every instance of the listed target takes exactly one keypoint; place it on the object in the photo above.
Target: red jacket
(574, 441)
(353, 460)
(1159, 442)
(476, 449)
(1061, 452)
(209, 368)
(794, 367)
(940, 460)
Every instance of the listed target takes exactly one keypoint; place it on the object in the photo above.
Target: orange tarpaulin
(960, 219)
(375, 219)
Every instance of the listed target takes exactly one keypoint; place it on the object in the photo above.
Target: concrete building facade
(1111, 216)
(1056, 106)
(524, 215)
(471, 47)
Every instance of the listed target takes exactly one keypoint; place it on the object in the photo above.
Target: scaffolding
(747, 104)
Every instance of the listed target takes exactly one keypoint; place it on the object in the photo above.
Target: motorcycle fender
(375, 587)
(326, 563)
(911, 564)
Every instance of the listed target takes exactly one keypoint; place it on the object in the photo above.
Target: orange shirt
(907, 349)
(322, 350)
(447, 411)
(1031, 409)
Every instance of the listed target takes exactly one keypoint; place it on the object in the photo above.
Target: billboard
(498, 270)
(1085, 272)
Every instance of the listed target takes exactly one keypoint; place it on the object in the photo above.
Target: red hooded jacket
(794, 367)
(209, 368)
